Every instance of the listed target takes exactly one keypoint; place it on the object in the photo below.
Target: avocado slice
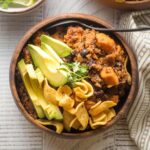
(59, 47)
(40, 77)
(48, 66)
(51, 52)
(51, 111)
(32, 95)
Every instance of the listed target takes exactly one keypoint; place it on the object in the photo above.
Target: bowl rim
(136, 2)
(128, 5)
(45, 22)
(17, 11)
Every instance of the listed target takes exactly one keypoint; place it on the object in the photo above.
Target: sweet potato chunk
(109, 76)
(106, 43)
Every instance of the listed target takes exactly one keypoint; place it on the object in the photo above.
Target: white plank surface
(16, 133)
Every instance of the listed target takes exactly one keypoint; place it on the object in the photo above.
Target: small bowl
(17, 11)
(128, 5)
(89, 20)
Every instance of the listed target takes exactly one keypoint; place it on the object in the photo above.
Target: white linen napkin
(139, 115)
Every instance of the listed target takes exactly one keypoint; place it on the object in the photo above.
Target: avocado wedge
(40, 77)
(51, 52)
(59, 47)
(48, 66)
(51, 111)
(31, 93)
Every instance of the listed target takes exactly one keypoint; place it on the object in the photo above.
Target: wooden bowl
(128, 5)
(91, 20)
(17, 11)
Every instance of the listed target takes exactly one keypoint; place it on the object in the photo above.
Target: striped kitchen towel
(139, 115)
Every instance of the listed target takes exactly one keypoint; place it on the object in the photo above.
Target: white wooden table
(15, 132)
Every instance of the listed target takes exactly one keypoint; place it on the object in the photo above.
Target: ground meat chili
(101, 53)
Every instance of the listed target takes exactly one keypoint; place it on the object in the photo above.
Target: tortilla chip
(63, 97)
(66, 102)
(99, 117)
(65, 90)
(58, 125)
(111, 113)
(95, 125)
(49, 93)
(101, 106)
(82, 115)
(75, 124)
(77, 99)
(83, 89)
(67, 120)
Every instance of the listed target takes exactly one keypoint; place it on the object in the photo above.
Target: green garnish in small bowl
(5, 4)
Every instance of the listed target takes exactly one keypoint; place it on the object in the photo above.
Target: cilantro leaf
(76, 71)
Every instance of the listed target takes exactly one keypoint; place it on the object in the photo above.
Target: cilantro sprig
(76, 71)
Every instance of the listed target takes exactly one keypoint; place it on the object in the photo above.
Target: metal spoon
(67, 22)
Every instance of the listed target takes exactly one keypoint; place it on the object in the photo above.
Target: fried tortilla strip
(78, 99)
(68, 118)
(58, 125)
(49, 93)
(75, 124)
(111, 113)
(102, 118)
(81, 114)
(101, 106)
(89, 104)
(95, 125)
(99, 117)
(63, 97)
(83, 89)
(66, 102)
(65, 90)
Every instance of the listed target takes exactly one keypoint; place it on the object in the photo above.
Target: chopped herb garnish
(5, 3)
(76, 71)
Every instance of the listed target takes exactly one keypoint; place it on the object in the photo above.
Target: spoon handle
(101, 29)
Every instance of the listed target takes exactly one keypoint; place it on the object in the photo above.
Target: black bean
(118, 64)
(84, 52)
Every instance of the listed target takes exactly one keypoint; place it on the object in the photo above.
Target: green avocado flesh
(59, 47)
(40, 76)
(42, 106)
(48, 66)
(51, 52)
(31, 93)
